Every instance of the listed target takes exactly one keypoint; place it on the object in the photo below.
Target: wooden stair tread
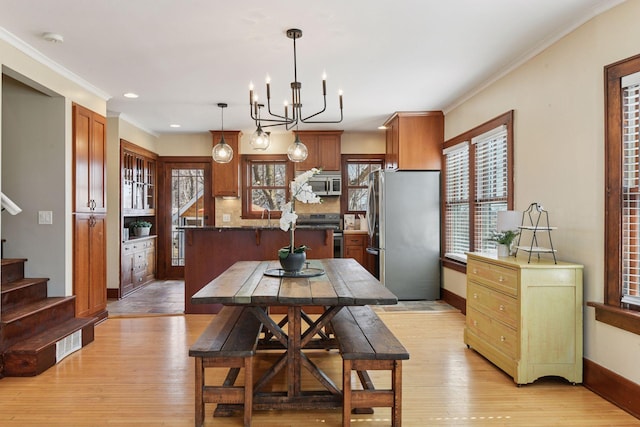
(50, 336)
(7, 261)
(15, 313)
(22, 283)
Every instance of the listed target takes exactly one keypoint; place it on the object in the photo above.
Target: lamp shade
(260, 139)
(297, 152)
(222, 152)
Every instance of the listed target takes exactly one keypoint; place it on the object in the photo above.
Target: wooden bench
(229, 341)
(365, 344)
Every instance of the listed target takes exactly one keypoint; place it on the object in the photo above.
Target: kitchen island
(209, 251)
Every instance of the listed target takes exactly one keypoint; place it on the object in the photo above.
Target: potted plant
(292, 258)
(504, 240)
(140, 228)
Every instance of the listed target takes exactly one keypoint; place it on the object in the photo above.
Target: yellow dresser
(526, 318)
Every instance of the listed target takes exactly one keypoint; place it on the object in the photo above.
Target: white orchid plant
(301, 191)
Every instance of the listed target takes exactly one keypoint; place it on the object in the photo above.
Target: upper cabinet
(138, 168)
(90, 166)
(414, 140)
(226, 176)
(324, 150)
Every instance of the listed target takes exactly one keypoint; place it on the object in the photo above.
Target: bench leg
(346, 393)
(396, 383)
(248, 390)
(199, 400)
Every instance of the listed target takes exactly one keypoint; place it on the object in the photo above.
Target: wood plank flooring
(137, 373)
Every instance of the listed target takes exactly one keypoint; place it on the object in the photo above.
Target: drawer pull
(501, 307)
(475, 271)
(475, 295)
(475, 323)
(503, 338)
(501, 279)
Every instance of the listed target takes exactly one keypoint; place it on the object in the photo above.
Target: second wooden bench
(365, 344)
(229, 341)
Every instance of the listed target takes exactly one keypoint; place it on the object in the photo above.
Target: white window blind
(457, 201)
(492, 185)
(630, 194)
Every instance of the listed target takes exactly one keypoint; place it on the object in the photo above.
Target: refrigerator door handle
(373, 251)
(371, 212)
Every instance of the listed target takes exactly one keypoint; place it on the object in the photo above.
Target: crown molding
(54, 66)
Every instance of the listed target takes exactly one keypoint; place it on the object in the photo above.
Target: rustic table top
(345, 282)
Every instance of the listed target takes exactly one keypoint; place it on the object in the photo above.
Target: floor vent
(68, 345)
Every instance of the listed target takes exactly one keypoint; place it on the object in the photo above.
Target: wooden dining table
(259, 286)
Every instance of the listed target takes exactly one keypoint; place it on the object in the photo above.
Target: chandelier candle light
(301, 191)
(297, 151)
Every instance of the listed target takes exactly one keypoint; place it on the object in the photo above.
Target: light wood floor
(138, 373)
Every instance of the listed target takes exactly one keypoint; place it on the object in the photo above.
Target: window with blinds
(477, 185)
(630, 193)
(457, 201)
(491, 185)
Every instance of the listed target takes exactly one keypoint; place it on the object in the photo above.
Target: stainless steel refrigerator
(404, 231)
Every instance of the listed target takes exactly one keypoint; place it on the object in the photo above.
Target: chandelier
(296, 117)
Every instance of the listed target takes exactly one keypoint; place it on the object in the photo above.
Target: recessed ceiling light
(175, 125)
(130, 95)
(382, 127)
(53, 37)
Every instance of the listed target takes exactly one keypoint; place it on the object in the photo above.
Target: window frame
(506, 120)
(613, 311)
(248, 160)
(346, 159)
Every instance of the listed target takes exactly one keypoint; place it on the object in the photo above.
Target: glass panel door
(187, 208)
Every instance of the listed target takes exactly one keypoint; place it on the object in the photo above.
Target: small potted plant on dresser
(504, 240)
(140, 228)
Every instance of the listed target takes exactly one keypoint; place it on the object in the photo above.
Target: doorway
(186, 201)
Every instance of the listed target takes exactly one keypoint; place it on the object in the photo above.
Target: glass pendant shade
(260, 139)
(297, 152)
(222, 152)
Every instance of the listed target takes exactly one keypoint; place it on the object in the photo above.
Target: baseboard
(113, 293)
(454, 300)
(613, 387)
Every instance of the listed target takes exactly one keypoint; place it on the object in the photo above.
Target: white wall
(558, 98)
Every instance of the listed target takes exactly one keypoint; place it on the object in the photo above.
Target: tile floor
(166, 297)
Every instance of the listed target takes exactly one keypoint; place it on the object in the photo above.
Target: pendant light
(222, 152)
(297, 152)
(260, 139)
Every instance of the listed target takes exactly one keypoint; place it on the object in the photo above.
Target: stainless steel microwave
(325, 184)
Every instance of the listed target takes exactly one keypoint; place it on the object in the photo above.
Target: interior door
(186, 202)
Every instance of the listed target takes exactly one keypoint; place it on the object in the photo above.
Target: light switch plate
(45, 217)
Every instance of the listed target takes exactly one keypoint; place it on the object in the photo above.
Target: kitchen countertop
(251, 227)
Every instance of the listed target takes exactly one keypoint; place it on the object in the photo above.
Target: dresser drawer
(494, 333)
(494, 276)
(495, 304)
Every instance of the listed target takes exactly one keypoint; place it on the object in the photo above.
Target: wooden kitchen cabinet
(414, 140)
(524, 317)
(89, 265)
(355, 246)
(324, 150)
(226, 176)
(89, 211)
(137, 263)
(90, 161)
(138, 186)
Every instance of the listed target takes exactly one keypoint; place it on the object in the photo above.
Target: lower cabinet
(355, 246)
(525, 317)
(137, 263)
(89, 265)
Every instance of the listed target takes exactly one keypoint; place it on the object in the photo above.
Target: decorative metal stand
(531, 221)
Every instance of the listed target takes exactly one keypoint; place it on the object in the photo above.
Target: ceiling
(184, 56)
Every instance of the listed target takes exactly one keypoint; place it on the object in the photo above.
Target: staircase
(36, 331)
